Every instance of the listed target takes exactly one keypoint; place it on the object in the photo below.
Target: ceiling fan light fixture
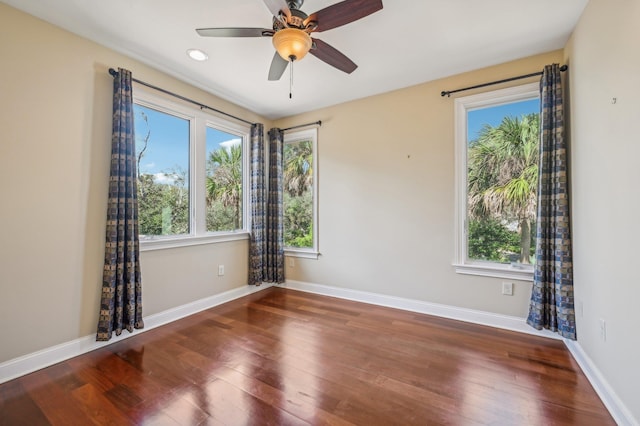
(292, 43)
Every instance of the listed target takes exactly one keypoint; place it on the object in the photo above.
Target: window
(163, 172)
(191, 168)
(301, 193)
(497, 146)
(224, 181)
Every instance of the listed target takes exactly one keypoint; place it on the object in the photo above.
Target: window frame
(299, 136)
(199, 120)
(462, 264)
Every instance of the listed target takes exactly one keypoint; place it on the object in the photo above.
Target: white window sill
(496, 271)
(305, 254)
(161, 243)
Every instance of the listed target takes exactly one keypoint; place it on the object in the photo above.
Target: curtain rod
(315, 123)
(115, 73)
(533, 74)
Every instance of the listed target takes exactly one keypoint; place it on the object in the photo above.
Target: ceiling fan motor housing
(297, 18)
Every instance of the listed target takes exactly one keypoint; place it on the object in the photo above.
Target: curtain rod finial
(113, 72)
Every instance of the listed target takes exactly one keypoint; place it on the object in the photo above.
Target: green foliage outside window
(298, 194)
(163, 208)
(502, 190)
(493, 241)
(224, 189)
(298, 220)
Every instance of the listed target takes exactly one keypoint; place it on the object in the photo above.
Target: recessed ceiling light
(197, 55)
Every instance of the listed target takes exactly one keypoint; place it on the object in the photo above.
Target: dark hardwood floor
(284, 357)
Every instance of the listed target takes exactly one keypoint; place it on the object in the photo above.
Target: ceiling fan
(292, 28)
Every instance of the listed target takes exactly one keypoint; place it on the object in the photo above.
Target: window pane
(224, 181)
(162, 151)
(298, 194)
(502, 161)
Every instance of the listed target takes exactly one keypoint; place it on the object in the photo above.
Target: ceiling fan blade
(332, 56)
(235, 32)
(278, 65)
(277, 6)
(342, 13)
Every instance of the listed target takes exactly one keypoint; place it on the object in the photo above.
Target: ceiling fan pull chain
(291, 80)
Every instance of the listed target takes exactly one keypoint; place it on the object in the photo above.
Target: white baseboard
(616, 407)
(37, 360)
(505, 322)
(610, 399)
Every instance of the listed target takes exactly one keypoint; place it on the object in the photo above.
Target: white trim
(616, 407)
(161, 243)
(505, 322)
(305, 254)
(610, 399)
(37, 360)
(495, 270)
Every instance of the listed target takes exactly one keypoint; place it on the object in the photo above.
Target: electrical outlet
(507, 288)
(580, 306)
(292, 262)
(220, 270)
(603, 329)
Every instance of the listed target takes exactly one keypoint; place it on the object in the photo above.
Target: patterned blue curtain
(552, 305)
(258, 242)
(274, 268)
(121, 303)
(266, 251)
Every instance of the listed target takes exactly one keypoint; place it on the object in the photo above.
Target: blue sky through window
(168, 148)
(493, 115)
(217, 139)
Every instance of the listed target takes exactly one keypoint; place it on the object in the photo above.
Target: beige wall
(604, 57)
(55, 125)
(386, 196)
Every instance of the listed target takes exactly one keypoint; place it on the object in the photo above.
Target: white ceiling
(406, 43)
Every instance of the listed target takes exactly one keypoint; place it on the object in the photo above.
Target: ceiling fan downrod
(295, 4)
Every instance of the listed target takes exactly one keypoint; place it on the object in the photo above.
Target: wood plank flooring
(282, 357)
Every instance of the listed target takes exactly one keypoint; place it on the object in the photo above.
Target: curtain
(266, 251)
(552, 304)
(274, 268)
(121, 301)
(257, 243)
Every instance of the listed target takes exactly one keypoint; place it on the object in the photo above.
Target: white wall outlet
(220, 270)
(507, 288)
(603, 329)
(292, 262)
